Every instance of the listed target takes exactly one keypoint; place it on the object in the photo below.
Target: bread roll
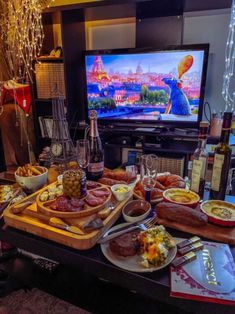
(181, 214)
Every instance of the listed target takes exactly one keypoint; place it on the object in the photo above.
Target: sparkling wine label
(196, 173)
(216, 173)
(96, 167)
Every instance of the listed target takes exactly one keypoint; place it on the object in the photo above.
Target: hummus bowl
(181, 196)
(219, 212)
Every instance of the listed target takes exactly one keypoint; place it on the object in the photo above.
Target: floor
(80, 289)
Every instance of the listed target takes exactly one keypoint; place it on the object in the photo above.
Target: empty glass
(83, 153)
(148, 173)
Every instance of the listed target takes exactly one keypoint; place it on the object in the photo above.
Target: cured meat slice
(63, 204)
(92, 185)
(100, 193)
(75, 202)
(93, 200)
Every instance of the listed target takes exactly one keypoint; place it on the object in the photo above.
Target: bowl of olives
(121, 191)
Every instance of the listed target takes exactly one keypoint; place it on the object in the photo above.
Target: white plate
(132, 263)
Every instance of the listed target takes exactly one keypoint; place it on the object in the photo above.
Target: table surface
(154, 285)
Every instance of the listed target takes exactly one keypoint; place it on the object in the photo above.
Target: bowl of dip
(136, 210)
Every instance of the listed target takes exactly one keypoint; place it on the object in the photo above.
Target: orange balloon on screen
(184, 65)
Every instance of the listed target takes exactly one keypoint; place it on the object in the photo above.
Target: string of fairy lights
(21, 35)
(228, 90)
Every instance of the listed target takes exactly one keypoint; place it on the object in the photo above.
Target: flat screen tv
(155, 87)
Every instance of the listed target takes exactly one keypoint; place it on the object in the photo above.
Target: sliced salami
(92, 185)
(93, 200)
(100, 193)
(76, 202)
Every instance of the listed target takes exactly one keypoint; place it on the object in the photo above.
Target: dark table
(154, 285)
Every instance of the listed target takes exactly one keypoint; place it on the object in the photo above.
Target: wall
(106, 34)
(210, 27)
(195, 27)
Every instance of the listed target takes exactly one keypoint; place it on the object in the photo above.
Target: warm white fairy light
(21, 35)
(228, 92)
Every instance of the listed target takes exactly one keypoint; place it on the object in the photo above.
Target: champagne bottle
(96, 162)
(222, 159)
(200, 161)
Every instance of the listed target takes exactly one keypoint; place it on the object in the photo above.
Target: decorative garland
(228, 91)
(21, 36)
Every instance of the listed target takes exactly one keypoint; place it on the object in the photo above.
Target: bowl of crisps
(31, 178)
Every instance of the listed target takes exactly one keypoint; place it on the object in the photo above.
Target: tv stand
(143, 129)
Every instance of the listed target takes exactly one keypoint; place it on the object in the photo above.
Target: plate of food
(163, 182)
(141, 251)
(219, 212)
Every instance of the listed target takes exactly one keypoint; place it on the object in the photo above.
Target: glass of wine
(148, 173)
(83, 153)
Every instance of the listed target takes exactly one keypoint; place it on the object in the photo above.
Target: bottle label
(217, 171)
(204, 165)
(196, 174)
(95, 167)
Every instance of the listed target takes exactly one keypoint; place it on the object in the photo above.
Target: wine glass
(83, 153)
(148, 173)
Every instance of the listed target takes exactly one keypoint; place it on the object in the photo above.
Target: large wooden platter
(37, 227)
(209, 231)
(87, 211)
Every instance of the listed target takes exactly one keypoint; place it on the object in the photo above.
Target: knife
(52, 221)
(111, 234)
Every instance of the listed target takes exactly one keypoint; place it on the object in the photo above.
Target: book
(209, 278)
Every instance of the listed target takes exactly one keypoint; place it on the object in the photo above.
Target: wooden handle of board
(17, 209)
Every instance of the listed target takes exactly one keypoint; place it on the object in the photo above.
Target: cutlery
(52, 221)
(143, 225)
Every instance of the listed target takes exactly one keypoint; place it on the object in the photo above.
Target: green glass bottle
(222, 158)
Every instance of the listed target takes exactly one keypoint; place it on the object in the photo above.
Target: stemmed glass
(83, 153)
(148, 173)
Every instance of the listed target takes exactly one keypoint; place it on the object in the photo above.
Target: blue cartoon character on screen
(178, 102)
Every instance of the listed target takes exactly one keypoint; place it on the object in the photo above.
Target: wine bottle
(96, 162)
(222, 159)
(200, 161)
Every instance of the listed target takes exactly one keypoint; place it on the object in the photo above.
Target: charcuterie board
(81, 241)
(87, 210)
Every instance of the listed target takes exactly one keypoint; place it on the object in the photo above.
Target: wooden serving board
(37, 227)
(209, 231)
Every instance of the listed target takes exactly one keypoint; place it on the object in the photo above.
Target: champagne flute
(83, 153)
(148, 173)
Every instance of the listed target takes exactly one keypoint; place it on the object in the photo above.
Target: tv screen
(151, 86)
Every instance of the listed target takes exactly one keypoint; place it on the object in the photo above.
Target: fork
(139, 225)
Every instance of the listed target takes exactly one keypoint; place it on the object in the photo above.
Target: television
(151, 87)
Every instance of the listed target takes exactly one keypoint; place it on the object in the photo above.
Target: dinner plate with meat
(62, 206)
(141, 251)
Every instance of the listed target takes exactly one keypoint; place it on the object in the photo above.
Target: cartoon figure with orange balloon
(178, 103)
